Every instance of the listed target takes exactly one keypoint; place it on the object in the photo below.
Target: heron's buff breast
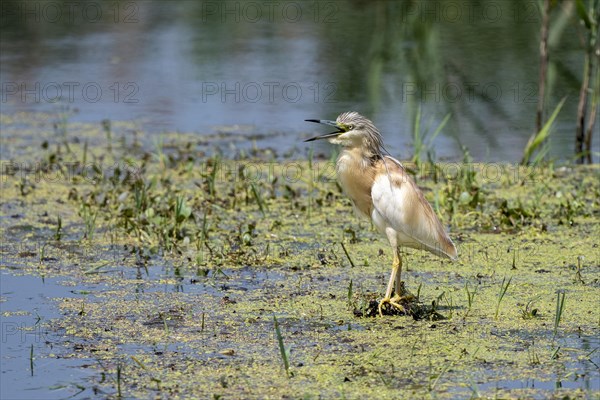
(356, 177)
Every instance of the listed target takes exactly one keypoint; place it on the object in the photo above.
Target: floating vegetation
(179, 260)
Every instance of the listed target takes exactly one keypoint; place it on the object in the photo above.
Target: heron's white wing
(401, 204)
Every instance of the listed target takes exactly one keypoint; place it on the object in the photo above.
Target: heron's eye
(350, 127)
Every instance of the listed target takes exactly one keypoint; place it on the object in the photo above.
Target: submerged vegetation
(216, 276)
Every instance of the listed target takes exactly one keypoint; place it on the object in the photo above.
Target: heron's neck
(356, 177)
(360, 155)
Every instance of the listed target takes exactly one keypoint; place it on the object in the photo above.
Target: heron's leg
(398, 289)
(395, 276)
(394, 281)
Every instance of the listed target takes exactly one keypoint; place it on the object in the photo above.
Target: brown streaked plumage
(380, 188)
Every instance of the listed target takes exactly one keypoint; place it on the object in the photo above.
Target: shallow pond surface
(32, 316)
(162, 275)
(28, 303)
(166, 234)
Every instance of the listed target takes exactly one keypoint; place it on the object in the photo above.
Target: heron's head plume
(353, 130)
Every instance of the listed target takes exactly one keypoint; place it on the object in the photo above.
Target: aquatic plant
(470, 297)
(538, 141)
(283, 351)
(560, 308)
(423, 138)
(503, 288)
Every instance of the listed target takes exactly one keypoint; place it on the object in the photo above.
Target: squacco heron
(380, 188)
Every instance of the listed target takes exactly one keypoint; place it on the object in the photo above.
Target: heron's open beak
(327, 135)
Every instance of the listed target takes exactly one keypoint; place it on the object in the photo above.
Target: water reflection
(197, 66)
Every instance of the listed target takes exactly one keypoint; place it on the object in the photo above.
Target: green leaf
(186, 210)
(536, 140)
(583, 14)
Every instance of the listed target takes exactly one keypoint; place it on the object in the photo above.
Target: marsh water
(231, 75)
(38, 363)
(258, 70)
(107, 288)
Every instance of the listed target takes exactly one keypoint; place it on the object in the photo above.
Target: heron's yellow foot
(394, 302)
(406, 297)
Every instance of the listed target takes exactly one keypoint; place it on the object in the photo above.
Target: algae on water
(191, 256)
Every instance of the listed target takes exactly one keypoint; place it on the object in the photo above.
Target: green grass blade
(439, 128)
(536, 140)
(560, 307)
(347, 255)
(282, 350)
(583, 14)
